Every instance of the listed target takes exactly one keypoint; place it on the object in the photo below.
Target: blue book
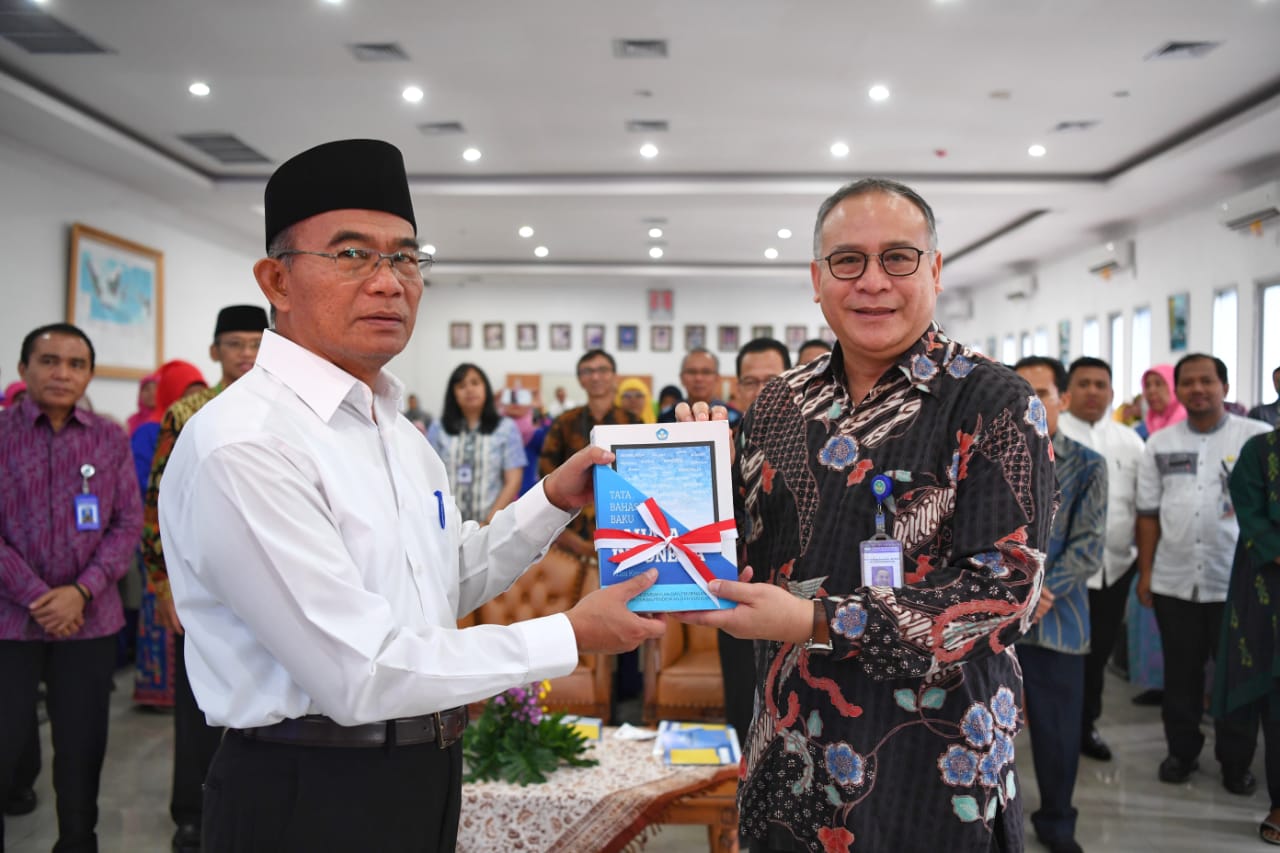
(696, 743)
(666, 502)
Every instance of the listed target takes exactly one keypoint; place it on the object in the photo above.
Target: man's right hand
(603, 624)
(167, 614)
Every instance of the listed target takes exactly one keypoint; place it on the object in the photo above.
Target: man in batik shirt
(886, 715)
(236, 337)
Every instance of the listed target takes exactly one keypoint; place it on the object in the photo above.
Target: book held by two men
(666, 502)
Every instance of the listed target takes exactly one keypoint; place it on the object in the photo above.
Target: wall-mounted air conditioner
(1110, 258)
(1022, 287)
(1249, 210)
(958, 306)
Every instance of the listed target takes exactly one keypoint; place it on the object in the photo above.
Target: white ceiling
(755, 92)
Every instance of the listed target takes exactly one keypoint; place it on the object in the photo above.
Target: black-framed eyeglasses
(406, 264)
(850, 265)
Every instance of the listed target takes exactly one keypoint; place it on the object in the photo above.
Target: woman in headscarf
(153, 682)
(146, 403)
(633, 396)
(1146, 655)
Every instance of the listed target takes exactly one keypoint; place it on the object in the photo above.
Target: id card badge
(87, 513)
(881, 562)
(464, 475)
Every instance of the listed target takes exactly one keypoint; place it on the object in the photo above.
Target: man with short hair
(1088, 421)
(237, 335)
(1187, 535)
(318, 560)
(811, 349)
(560, 403)
(571, 432)
(70, 517)
(759, 360)
(700, 376)
(1053, 652)
(1269, 412)
(886, 714)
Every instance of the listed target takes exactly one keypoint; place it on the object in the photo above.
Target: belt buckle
(441, 740)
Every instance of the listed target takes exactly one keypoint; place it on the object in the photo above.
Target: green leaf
(1011, 785)
(815, 725)
(991, 807)
(906, 698)
(965, 807)
(933, 698)
(834, 796)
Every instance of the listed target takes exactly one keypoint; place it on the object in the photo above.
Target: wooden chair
(553, 585)
(682, 678)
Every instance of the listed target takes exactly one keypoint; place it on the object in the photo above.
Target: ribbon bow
(639, 547)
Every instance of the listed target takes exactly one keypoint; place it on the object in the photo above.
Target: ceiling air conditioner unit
(1021, 288)
(1249, 210)
(1111, 257)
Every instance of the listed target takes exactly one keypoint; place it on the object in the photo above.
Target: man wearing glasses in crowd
(319, 563)
(886, 713)
(700, 376)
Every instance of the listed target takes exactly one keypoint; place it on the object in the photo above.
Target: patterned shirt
(570, 433)
(170, 426)
(40, 547)
(1076, 544)
(485, 456)
(902, 736)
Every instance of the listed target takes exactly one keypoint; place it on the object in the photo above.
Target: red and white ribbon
(637, 548)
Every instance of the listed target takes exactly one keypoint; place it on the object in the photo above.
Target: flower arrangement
(516, 740)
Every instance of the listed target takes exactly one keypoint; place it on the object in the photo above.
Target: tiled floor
(1122, 806)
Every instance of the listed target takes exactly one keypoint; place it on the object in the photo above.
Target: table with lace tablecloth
(600, 809)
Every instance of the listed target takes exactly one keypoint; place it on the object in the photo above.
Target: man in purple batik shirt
(70, 519)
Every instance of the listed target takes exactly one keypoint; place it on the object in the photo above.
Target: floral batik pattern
(904, 730)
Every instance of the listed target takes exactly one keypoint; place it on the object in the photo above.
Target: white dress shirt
(1183, 479)
(1122, 448)
(319, 564)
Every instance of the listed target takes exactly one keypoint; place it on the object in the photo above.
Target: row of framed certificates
(560, 336)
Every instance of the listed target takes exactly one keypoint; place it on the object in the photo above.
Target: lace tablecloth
(598, 809)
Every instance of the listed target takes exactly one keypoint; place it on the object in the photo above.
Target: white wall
(41, 197)
(1189, 253)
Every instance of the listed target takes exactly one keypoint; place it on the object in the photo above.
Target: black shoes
(1175, 771)
(1149, 698)
(1062, 845)
(1241, 784)
(187, 838)
(21, 801)
(1094, 746)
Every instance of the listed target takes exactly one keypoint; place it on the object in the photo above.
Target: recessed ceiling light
(655, 252)
(784, 233)
(525, 231)
(471, 155)
(199, 89)
(878, 92)
(412, 94)
(541, 252)
(428, 248)
(771, 253)
(1036, 150)
(648, 151)
(655, 233)
(334, 2)
(839, 149)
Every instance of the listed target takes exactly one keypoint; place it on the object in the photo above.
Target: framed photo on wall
(825, 334)
(1178, 320)
(494, 336)
(115, 293)
(459, 336)
(695, 336)
(762, 331)
(727, 338)
(661, 305)
(660, 338)
(561, 336)
(593, 336)
(628, 337)
(796, 335)
(526, 335)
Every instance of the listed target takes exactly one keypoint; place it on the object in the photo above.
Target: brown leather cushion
(553, 585)
(693, 679)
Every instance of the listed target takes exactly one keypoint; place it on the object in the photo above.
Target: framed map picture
(115, 293)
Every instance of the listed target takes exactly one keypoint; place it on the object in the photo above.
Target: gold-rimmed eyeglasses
(406, 264)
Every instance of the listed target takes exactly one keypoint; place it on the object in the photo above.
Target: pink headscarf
(11, 392)
(1174, 412)
(143, 414)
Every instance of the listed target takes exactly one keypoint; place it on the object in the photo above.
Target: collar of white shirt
(322, 385)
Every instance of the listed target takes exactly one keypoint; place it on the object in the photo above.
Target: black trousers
(1189, 633)
(738, 671)
(77, 674)
(194, 744)
(280, 798)
(28, 766)
(1053, 683)
(1106, 612)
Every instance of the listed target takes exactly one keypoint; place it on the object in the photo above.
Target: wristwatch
(820, 637)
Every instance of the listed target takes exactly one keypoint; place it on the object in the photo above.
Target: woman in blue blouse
(482, 451)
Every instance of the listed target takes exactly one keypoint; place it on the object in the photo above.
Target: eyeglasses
(236, 345)
(704, 371)
(896, 262)
(595, 371)
(406, 265)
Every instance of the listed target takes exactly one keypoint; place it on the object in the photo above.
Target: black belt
(443, 727)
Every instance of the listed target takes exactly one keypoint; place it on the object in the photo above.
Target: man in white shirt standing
(1186, 539)
(319, 563)
(1088, 421)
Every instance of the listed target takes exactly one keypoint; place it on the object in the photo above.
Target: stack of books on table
(696, 743)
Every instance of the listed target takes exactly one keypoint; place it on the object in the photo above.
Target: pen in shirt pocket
(440, 507)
